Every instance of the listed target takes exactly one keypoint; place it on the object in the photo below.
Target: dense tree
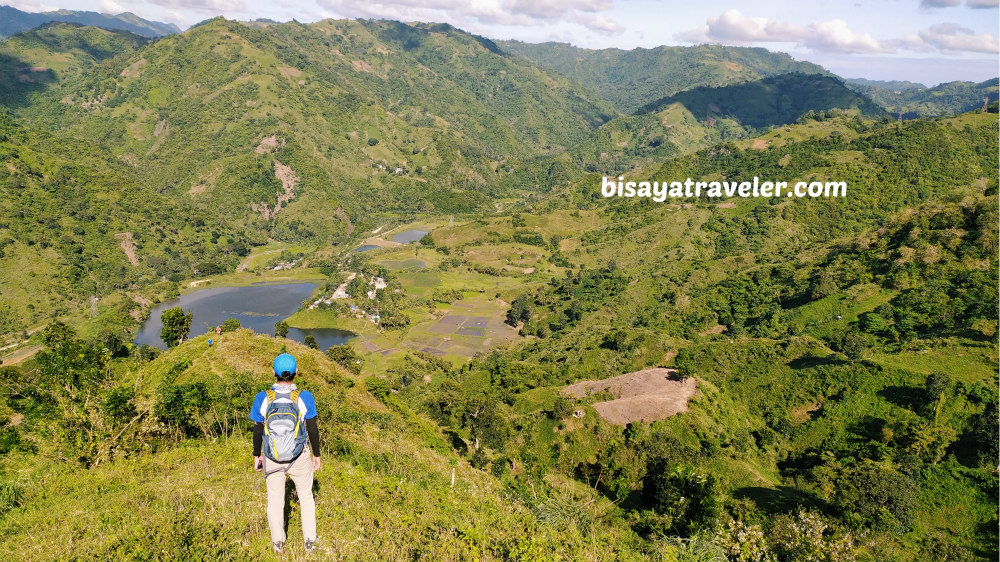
(346, 357)
(176, 325)
(872, 495)
(519, 311)
(689, 497)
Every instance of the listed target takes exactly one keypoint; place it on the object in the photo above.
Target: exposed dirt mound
(288, 183)
(127, 245)
(643, 396)
(133, 70)
(341, 214)
(269, 144)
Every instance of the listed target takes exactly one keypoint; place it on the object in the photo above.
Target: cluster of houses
(376, 285)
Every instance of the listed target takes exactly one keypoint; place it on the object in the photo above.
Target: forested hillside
(910, 101)
(231, 135)
(631, 79)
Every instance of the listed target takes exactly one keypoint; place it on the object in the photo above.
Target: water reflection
(257, 307)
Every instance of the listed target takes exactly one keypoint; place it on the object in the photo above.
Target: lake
(407, 236)
(365, 248)
(257, 307)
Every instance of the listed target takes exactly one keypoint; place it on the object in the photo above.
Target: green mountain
(776, 100)
(14, 21)
(909, 100)
(631, 79)
(704, 116)
(236, 135)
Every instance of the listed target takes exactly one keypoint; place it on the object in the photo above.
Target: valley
(522, 368)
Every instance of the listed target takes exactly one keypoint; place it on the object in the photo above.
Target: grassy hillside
(172, 472)
(836, 342)
(844, 353)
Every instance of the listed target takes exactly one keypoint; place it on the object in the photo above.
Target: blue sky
(929, 41)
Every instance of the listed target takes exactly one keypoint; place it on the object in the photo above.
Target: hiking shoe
(278, 546)
(310, 546)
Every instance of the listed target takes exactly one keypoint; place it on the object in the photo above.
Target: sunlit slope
(366, 114)
(391, 487)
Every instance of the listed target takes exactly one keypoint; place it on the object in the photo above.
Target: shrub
(345, 356)
(379, 388)
(11, 496)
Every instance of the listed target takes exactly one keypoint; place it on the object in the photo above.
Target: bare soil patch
(289, 181)
(269, 144)
(205, 181)
(643, 396)
(804, 412)
(714, 330)
(132, 70)
(289, 72)
(161, 132)
(760, 144)
(361, 65)
(20, 355)
(341, 214)
(127, 245)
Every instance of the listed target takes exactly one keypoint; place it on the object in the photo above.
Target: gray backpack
(284, 436)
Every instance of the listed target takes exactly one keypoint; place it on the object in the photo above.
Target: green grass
(263, 254)
(962, 360)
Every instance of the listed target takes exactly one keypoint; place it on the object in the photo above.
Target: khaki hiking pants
(301, 473)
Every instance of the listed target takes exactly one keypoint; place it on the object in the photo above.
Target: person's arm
(312, 430)
(258, 440)
(258, 437)
(258, 429)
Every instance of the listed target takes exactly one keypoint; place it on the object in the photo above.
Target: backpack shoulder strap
(295, 396)
(270, 395)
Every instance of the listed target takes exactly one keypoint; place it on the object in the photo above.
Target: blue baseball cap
(284, 363)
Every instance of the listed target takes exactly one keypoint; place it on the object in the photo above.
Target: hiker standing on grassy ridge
(279, 415)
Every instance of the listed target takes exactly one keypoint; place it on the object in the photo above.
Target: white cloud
(30, 6)
(731, 25)
(939, 3)
(208, 6)
(835, 37)
(826, 36)
(952, 38)
(982, 3)
(598, 23)
(110, 7)
(472, 14)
